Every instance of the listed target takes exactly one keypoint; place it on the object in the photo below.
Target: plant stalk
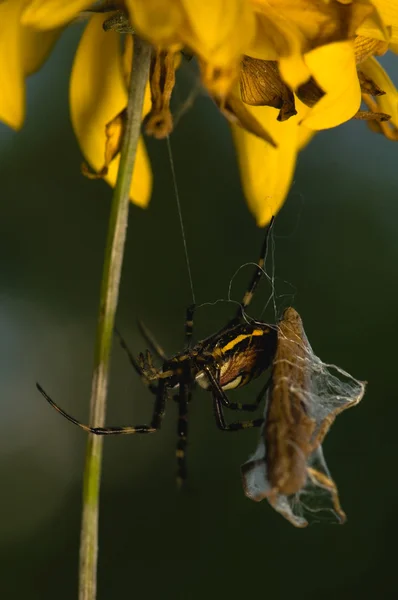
(108, 303)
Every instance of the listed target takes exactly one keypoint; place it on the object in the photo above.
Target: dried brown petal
(367, 115)
(261, 85)
(388, 129)
(368, 86)
(119, 22)
(86, 171)
(365, 47)
(310, 93)
(159, 122)
(114, 131)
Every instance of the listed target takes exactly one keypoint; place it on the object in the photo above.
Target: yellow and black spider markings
(231, 358)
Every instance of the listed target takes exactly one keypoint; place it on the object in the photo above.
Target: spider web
(325, 390)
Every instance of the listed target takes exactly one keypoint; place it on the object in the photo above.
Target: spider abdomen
(237, 355)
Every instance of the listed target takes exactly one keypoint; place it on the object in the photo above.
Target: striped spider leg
(231, 358)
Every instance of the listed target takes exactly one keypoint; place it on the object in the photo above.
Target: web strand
(184, 240)
(271, 277)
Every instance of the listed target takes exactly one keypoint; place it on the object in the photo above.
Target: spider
(241, 351)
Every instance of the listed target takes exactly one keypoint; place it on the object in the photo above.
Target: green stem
(108, 304)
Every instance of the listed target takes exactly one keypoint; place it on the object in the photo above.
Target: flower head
(279, 70)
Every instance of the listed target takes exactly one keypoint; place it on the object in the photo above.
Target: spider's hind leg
(183, 400)
(156, 421)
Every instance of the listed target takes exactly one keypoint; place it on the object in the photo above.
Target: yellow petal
(388, 10)
(278, 38)
(295, 27)
(12, 80)
(22, 52)
(237, 113)
(374, 27)
(333, 68)
(219, 32)
(389, 102)
(157, 20)
(49, 14)
(264, 46)
(97, 95)
(221, 29)
(305, 134)
(36, 46)
(267, 172)
(294, 70)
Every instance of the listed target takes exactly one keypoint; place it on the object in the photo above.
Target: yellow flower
(98, 86)
(280, 70)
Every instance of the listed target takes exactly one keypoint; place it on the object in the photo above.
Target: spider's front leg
(137, 364)
(220, 399)
(257, 275)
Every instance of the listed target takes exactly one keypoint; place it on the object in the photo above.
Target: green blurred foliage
(335, 254)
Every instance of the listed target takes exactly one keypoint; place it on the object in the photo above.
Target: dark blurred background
(336, 248)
